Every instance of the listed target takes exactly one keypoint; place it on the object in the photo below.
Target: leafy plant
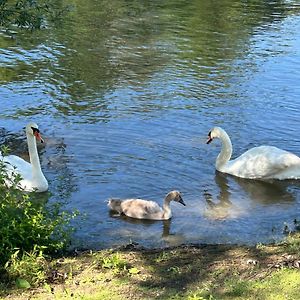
(28, 229)
(134, 271)
(162, 257)
(28, 269)
(114, 262)
(200, 296)
(174, 270)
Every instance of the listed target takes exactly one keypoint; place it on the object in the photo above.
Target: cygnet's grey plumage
(145, 209)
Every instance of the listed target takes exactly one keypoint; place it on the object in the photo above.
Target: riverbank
(184, 272)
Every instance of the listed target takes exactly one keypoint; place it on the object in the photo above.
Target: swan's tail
(115, 205)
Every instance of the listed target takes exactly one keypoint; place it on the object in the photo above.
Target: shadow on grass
(175, 272)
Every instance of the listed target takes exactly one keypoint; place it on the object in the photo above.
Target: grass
(211, 272)
(282, 284)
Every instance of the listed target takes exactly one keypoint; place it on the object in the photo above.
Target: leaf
(134, 271)
(22, 283)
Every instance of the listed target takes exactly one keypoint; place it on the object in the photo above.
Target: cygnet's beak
(209, 139)
(181, 200)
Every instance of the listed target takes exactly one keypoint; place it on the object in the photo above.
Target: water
(125, 94)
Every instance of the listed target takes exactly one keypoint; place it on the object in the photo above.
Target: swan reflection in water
(262, 192)
(172, 239)
(224, 208)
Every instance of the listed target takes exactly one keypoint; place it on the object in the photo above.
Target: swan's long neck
(34, 157)
(166, 208)
(226, 150)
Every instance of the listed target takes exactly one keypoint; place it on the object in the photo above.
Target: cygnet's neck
(166, 208)
(34, 157)
(226, 150)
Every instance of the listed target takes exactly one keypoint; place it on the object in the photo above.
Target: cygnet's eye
(209, 138)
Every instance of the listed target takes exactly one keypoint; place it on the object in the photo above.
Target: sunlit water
(125, 94)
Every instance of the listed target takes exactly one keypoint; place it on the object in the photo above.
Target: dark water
(125, 94)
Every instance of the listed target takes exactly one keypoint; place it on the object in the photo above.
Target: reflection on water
(224, 207)
(166, 236)
(263, 192)
(269, 192)
(124, 93)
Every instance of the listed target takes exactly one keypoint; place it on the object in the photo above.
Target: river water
(125, 93)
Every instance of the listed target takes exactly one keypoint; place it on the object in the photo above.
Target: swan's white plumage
(264, 162)
(32, 176)
(145, 209)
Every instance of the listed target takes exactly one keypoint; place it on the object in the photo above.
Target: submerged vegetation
(31, 14)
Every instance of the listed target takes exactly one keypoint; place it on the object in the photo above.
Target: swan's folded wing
(138, 208)
(263, 162)
(18, 165)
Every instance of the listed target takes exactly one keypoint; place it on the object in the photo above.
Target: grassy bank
(185, 272)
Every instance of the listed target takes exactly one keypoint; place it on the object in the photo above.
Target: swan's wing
(15, 164)
(263, 162)
(138, 208)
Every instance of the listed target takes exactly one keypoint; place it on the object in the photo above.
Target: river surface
(125, 93)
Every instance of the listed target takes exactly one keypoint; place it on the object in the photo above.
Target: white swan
(264, 162)
(32, 176)
(145, 209)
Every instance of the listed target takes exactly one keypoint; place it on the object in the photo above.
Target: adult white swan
(32, 176)
(264, 162)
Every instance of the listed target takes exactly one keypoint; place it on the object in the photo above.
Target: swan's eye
(37, 134)
(35, 130)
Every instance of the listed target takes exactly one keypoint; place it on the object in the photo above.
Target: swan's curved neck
(166, 208)
(33, 155)
(226, 151)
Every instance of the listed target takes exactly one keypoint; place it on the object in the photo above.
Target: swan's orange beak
(38, 136)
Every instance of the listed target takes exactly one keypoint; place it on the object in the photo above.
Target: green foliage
(117, 264)
(292, 243)
(196, 296)
(133, 271)
(114, 262)
(28, 229)
(28, 268)
(31, 14)
(22, 283)
(163, 256)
